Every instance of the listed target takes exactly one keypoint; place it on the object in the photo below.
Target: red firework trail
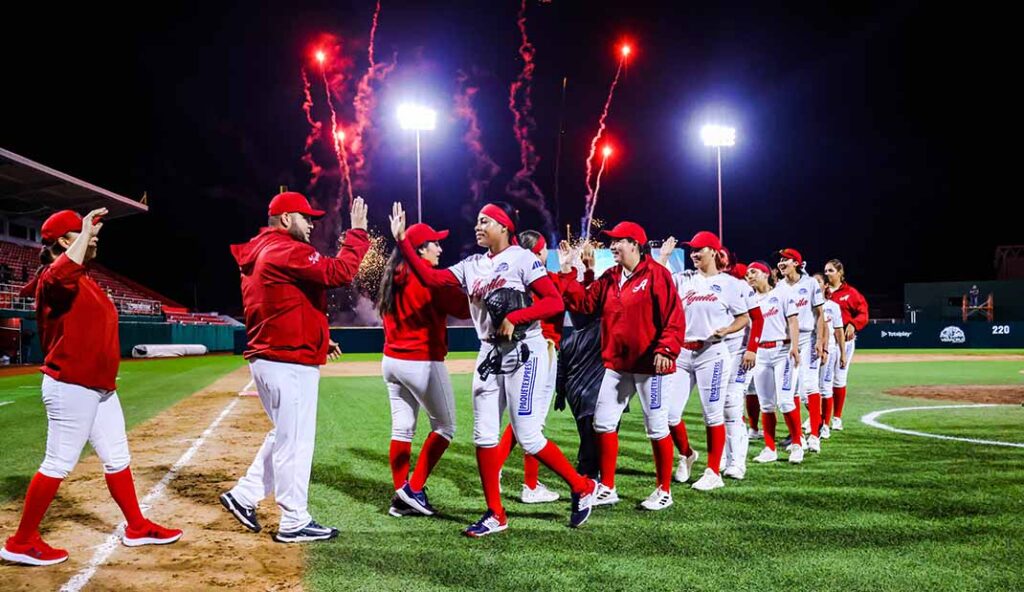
(339, 149)
(373, 33)
(524, 123)
(364, 102)
(314, 132)
(338, 146)
(484, 168)
(605, 153)
(601, 125)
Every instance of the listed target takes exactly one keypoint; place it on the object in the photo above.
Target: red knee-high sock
(663, 462)
(793, 423)
(433, 448)
(488, 462)
(814, 410)
(608, 455)
(552, 457)
(507, 443)
(826, 410)
(769, 420)
(122, 489)
(531, 470)
(680, 437)
(716, 446)
(398, 456)
(40, 494)
(753, 411)
(796, 401)
(839, 394)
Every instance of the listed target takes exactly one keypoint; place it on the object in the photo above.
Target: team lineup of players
(750, 342)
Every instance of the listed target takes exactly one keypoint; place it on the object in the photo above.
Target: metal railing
(10, 300)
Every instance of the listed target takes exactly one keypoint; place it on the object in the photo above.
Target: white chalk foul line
(104, 550)
(2, 403)
(871, 419)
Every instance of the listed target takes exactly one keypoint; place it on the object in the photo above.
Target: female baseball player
(715, 306)
(511, 371)
(535, 492)
(415, 345)
(836, 358)
(809, 299)
(642, 328)
(776, 345)
(78, 334)
(855, 317)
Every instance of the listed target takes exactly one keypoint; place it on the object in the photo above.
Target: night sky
(871, 132)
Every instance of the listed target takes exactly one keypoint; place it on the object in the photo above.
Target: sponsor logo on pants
(716, 382)
(526, 387)
(656, 392)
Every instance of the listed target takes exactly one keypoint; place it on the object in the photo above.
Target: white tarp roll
(150, 350)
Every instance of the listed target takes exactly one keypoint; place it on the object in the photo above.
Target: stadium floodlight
(417, 118)
(717, 136)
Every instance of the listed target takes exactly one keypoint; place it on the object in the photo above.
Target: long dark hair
(386, 291)
(50, 253)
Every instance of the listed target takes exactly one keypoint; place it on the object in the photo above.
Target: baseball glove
(501, 302)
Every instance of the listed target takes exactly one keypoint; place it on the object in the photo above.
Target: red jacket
(77, 327)
(642, 318)
(852, 304)
(284, 292)
(416, 329)
(551, 327)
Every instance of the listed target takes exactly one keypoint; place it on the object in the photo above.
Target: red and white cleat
(150, 533)
(34, 552)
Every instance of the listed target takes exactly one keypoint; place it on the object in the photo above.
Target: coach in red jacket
(642, 328)
(284, 292)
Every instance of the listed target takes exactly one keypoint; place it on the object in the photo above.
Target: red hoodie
(77, 327)
(416, 328)
(284, 292)
(638, 320)
(852, 304)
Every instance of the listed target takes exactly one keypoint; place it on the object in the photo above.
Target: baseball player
(737, 440)
(535, 492)
(284, 293)
(776, 345)
(752, 277)
(415, 345)
(836, 358)
(809, 299)
(855, 317)
(715, 306)
(642, 328)
(513, 362)
(78, 334)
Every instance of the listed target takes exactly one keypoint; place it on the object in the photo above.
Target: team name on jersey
(802, 302)
(692, 297)
(771, 312)
(481, 289)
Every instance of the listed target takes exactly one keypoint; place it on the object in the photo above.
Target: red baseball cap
(59, 224)
(791, 254)
(290, 201)
(738, 271)
(422, 233)
(704, 239)
(628, 230)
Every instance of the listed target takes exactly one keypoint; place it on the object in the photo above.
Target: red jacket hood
(245, 253)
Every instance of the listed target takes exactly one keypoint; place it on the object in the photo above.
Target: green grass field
(875, 511)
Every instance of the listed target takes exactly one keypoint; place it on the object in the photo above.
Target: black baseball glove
(501, 302)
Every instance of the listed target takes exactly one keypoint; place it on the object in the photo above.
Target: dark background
(872, 132)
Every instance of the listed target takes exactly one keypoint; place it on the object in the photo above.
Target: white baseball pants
(76, 415)
(618, 387)
(413, 384)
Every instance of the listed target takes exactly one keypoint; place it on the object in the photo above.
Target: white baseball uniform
(521, 390)
(709, 304)
(842, 373)
(737, 440)
(807, 295)
(833, 321)
(413, 384)
(773, 373)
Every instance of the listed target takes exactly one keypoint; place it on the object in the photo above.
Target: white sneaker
(755, 434)
(710, 480)
(737, 472)
(825, 432)
(807, 426)
(837, 424)
(796, 454)
(659, 500)
(538, 495)
(605, 496)
(683, 470)
(813, 444)
(767, 455)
